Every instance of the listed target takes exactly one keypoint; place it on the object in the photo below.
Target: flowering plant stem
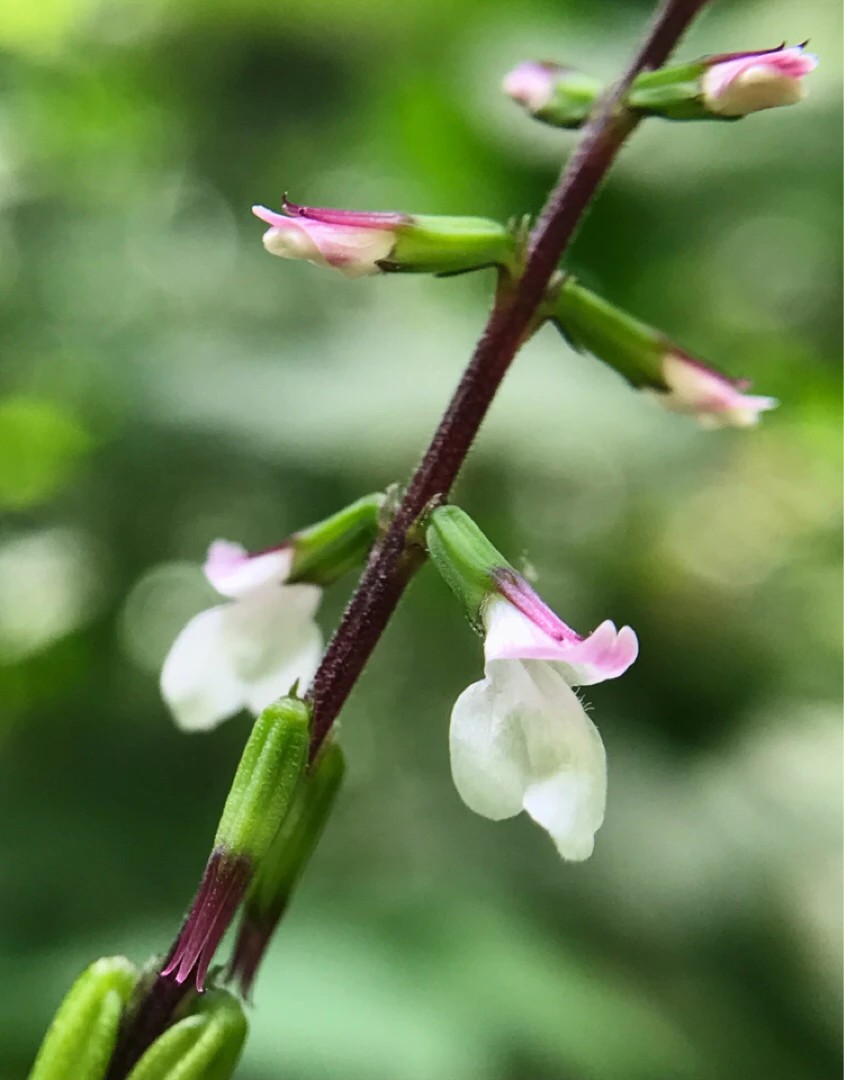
(395, 557)
(393, 560)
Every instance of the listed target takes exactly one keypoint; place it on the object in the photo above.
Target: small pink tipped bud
(532, 83)
(358, 243)
(355, 250)
(742, 83)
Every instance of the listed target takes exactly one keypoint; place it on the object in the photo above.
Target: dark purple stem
(392, 562)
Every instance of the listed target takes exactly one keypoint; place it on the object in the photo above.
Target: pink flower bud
(715, 399)
(532, 83)
(742, 83)
(353, 243)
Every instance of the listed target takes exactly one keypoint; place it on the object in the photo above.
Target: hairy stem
(391, 564)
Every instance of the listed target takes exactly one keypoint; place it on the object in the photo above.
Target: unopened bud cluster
(724, 87)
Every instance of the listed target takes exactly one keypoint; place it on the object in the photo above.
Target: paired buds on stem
(204, 1039)
(724, 87)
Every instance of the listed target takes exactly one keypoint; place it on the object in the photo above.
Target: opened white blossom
(521, 739)
(742, 83)
(714, 399)
(248, 652)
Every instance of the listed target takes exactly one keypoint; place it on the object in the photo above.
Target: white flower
(246, 653)
(520, 739)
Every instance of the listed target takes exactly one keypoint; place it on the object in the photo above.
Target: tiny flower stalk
(724, 87)
(203, 1044)
(82, 1036)
(360, 243)
(650, 362)
(520, 739)
(262, 793)
(248, 651)
(282, 867)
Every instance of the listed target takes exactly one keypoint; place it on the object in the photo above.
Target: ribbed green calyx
(673, 93)
(80, 1040)
(464, 557)
(266, 780)
(450, 245)
(203, 1045)
(295, 841)
(632, 348)
(324, 552)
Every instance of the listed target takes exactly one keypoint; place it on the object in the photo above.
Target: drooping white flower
(249, 651)
(521, 739)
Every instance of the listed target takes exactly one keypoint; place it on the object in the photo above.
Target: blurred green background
(164, 382)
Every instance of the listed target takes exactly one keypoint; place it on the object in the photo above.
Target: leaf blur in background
(165, 382)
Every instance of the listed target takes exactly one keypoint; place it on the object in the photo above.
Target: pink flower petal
(234, 572)
(605, 654)
(532, 83)
(361, 219)
(714, 398)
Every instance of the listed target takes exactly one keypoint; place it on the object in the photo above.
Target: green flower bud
(261, 795)
(82, 1036)
(266, 779)
(204, 1045)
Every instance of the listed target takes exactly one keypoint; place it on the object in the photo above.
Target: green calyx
(80, 1040)
(592, 325)
(324, 552)
(673, 93)
(464, 557)
(267, 779)
(450, 245)
(203, 1045)
(295, 841)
